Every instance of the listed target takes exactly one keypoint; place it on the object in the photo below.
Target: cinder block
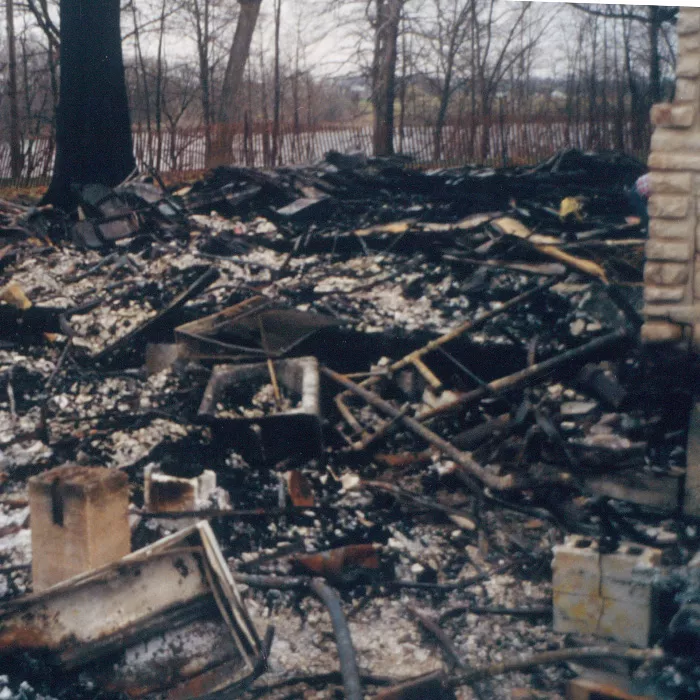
(627, 622)
(576, 566)
(80, 521)
(576, 613)
(622, 605)
(628, 573)
(164, 493)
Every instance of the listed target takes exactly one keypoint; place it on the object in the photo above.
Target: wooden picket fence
(510, 142)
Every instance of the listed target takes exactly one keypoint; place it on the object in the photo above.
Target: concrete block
(661, 332)
(627, 622)
(663, 182)
(672, 116)
(667, 206)
(659, 160)
(672, 141)
(661, 273)
(622, 605)
(688, 65)
(672, 251)
(666, 228)
(686, 88)
(164, 493)
(80, 522)
(688, 43)
(576, 613)
(576, 566)
(663, 295)
(688, 21)
(628, 573)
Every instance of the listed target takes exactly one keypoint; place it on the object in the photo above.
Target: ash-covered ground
(75, 388)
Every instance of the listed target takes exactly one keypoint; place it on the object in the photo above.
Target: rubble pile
(396, 397)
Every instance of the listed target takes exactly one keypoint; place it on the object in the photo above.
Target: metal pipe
(346, 651)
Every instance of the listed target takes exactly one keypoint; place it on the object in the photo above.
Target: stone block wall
(672, 271)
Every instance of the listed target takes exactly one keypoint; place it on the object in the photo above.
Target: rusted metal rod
(463, 459)
(530, 374)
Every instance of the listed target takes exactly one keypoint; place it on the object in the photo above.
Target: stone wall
(672, 271)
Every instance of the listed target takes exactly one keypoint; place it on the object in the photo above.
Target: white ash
(122, 448)
(107, 323)
(24, 454)
(12, 360)
(263, 403)
(215, 222)
(20, 424)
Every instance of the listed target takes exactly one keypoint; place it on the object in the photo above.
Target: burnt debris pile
(401, 420)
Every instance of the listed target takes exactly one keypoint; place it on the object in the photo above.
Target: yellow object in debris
(570, 206)
(14, 295)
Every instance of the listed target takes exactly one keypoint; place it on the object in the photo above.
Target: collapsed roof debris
(402, 392)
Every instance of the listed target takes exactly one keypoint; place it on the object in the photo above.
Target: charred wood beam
(531, 374)
(463, 459)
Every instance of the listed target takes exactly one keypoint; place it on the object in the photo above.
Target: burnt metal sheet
(236, 331)
(155, 618)
(276, 434)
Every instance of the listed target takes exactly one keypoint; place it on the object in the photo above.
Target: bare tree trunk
(201, 22)
(445, 93)
(637, 102)
(402, 91)
(277, 87)
(159, 90)
(249, 134)
(654, 58)
(144, 79)
(296, 106)
(485, 127)
(240, 49)
(383, 93)
(93, 135)
(265, 114)
(15, 146)
(620, 104)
